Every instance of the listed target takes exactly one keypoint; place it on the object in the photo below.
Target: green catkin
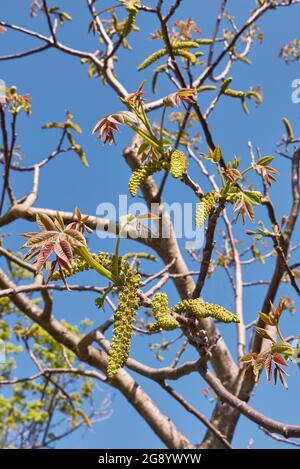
(200, 309)
(139, 255)
(225, 84)
(186, 55)
(204, 41)
(122, 332)
(128, 304)
(178, 164)
(130, 22)
(206, 88)
(152, 58)
(204, 208)
(140, 175)
(162, 314)
(244, 106)
(234, 93)
(185, 45)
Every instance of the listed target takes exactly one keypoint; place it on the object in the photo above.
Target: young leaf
(263, 333)
(288, 128)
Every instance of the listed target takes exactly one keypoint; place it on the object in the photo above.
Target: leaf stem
(87, 256)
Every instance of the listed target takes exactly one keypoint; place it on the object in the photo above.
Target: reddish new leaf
(51, 270)
(277, 358)
(45, 222)
(282, 379)
(43, 256)
(63, 278)
(63, 250)
(268, 367)
(40, 239)
(75, 238)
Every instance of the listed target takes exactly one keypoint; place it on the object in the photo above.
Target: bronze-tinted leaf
(51, 270)
(275, 374)
(33, 252)
(45, 222)
(248, 358)
(267, 319)
(78, 213)
(277, 358)
(282, 379)
(263, 333)
(30, 234)
(60, 221)
(75, 237)
(62, 275)
(268, 367)
(63, 250)
(46, 237)
(43, 255)
(283, 347)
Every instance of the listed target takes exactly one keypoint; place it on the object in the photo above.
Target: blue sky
(58, 82)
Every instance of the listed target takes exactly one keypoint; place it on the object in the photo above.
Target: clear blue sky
(57, 82)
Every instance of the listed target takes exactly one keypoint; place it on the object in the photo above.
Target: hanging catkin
(201, 309)
(152, 58)
(128, 304)
(162, 314)
(140, 175)
(178, 164)
(123, 321)
(204, 208)
(132, 13)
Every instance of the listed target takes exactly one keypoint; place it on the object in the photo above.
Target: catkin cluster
(128, 304)
(204, 208)
(140, 175)
(178, 164)
(162, 314)
(201, 309)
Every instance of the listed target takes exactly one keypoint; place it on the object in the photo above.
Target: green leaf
(166, 142)
(265, 160)
(45, 222)
(84, 417)
(72, 125)
(253, 196)
(266, 319)
(78, 149)
(143, 147)
(282, 347)
(264, 334)
(217, 154)
(288, 128)
(66, 16)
